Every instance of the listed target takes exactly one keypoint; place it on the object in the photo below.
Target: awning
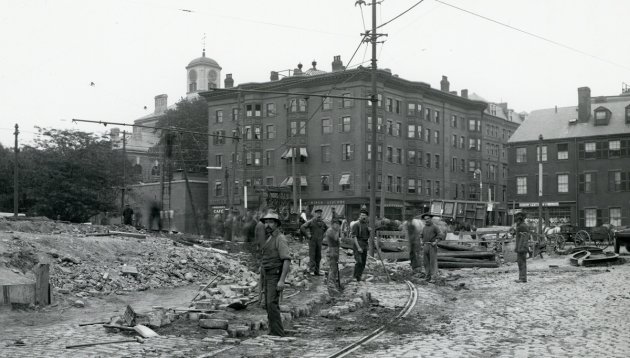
(345, 179)
(289, 181)
(327, 211)
(289, 153)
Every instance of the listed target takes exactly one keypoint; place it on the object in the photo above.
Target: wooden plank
(42, 284)
(20, 293)
(130, 234)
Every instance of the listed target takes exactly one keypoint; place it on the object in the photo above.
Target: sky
(133, 50)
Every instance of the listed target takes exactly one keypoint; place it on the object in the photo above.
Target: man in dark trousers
(413, 239)
(430, 236)
(314, 230)
(332, 237)
(522, 246)
(127, 215)
(275, 267)
(361, 237)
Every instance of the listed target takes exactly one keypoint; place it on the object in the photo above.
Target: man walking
(360, 236)
(127, 215)
(332, 237)
(430, 236)
(275, 267)
(314, 230)
(522, 246)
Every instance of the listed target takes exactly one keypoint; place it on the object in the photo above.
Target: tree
(69, 173)
(191, 115)
(6, 179)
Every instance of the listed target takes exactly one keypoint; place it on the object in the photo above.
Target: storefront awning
(289, 153)
(289, 181)
(345, 179)
(327, 211)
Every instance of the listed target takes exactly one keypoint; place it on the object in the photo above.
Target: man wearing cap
(314, 230)
(332, 236)
(429, 236)
(522, 246)
(360, 235)
(275, 267)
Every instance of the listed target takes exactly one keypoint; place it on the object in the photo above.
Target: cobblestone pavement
(560, 312)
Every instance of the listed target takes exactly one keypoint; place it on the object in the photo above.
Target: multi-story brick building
(586, 160)
(430, 141)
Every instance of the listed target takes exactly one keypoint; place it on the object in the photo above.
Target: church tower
(203, 73)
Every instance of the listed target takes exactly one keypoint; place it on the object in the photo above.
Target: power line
(172, 129)
(534, 35)
(399, 15)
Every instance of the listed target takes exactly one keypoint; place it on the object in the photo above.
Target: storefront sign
(218, 209)
(535, 205)
(323, 202)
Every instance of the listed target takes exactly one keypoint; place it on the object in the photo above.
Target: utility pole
(374, 100)
(190, 197)
(15, 174)
(227, 187)
(293, 155)
(540, 183)
(124, 183)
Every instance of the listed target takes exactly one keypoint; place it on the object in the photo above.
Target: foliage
(6, 179)
(191, 115)
(70, 174)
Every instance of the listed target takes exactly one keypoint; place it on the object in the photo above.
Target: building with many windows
(585, 152)
(430, 142)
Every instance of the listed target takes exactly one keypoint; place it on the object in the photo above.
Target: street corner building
(584, 152)
(314, 127)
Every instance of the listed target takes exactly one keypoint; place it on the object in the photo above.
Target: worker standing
(314, 230)
(361, 236)
(332, 237)
(127, 215)
(430, 236)
(276, 262)
(522, 246)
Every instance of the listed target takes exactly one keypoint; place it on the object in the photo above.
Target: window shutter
(582, 186)
(581, 218)
(599, 220)
(594, 182)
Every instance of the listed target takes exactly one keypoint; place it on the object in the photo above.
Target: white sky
(135, 49)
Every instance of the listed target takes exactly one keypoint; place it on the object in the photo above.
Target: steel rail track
(411, 303)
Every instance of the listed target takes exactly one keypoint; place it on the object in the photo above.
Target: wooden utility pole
(293, 155)
(15, 174)
(374, 99)
(190, 197)
(124, 182)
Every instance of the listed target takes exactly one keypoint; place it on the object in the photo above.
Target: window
(462, 165)
(346, 152)
(454, 121)
(325, 154)
(345, 124)
(269, 181)
(628, 114)
(411, 186)
(420, 158)
(257, 132)
(390, 127)
(368, 152)
(218, 188)
(615, 216)
(249, 110)
(453, 164)
(326, 103)
(521, 155)
(436, 137)
(218, 116)
(437, 161)
(298, 128)
(543, 155)
(270, 131)
(588, 182)
(411, 108)
(454, 141)
(389, 105)
(462, 142)
(347, 102)
(378, 104)
(472, 125)
(326, 126)
(563, 183)
(427, 135)
(398, 156)
(419, 129)
(589, 149)
(390, 183)
(398, 184)
(257, 158)
(419, 184)
(521, 185)
(379, 152)
(379, 124)
(301, 105)
(472, 143)
(257, 110)
(411, 131)
(379, 182)
(397, 129)
(390, 154)
(427, 114)
(614, 149)
(325, 181)
(397, 107)
(218, 160)
(234, 114)
(563, 151)
(614, 180)
(437, 188)
(428, 188)
(271, 110)
(590, 217)
(411, 157)
(269, 158)
(297, 105)
(436, 116)
(601, 116)
(428, 160)
(472, 165)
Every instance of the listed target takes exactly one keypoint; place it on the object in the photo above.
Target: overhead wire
(399, 15)
(533, 35)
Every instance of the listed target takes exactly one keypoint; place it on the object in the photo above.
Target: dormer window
(602, 116)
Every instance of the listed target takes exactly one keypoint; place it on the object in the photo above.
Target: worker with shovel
(275, 267)
(430, 236)
(332, 236)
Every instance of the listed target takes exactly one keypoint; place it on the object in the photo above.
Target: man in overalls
(314, 230)
(332, 236)
(276, 262)
(361, 238)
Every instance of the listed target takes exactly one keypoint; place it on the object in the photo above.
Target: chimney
(584, 104)
(444, 84)
(274, 76)
(337, 65)
(161, 103)
(464, 93)
(229, 81)
(298, 71)
(504, 106)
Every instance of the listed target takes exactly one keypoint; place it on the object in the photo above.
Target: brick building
(430, 141)
(586, 161)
